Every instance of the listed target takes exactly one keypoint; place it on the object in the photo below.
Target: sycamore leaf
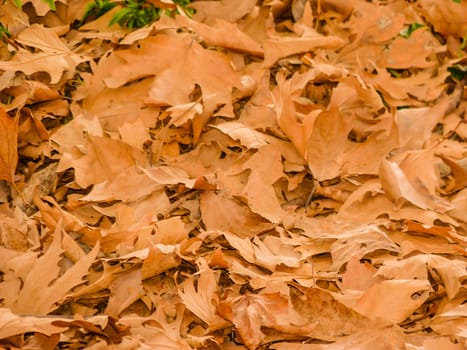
(393, 300)
(201, 301)
(8, 145)
(12, 324)
(228, 10)
(251, 312)
(43, 288)
(400, 188)
(54, 56)
(125, 290)
(216, 35)
(100, 159)
(276, 48)
(331, 317)
(238, 131)
(225, 214)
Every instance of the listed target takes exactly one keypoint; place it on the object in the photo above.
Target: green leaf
(18, 3)
(96, 9)
(458, 72)
(457, 1)
(407, 31)
(120, 16)
(51, 4)
(464, 42)
(394, 73)
(4, 30)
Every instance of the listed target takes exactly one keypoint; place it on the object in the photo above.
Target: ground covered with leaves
(262, 175)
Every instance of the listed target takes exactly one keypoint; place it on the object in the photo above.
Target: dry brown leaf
(393, 300)
(388, 338)
(225, 214)
(41, 293)
(373, 23)
(451, 320)
(129, 185)
(229, 10)
(202, 301)
(223, 34)
(298, 131)
(357, 275)
(100, 159)
(400, 188)
(125, 289)
(448, 17)
(415, 51)
(276, 48)
(251, 312)
(331, 318)
(54, 56)
(259, 253)
(8, 145)
(281, 174)
(266, 168)
(174, 82)
(13, 17)
(158, 262)
(248, 137)
(12, 324)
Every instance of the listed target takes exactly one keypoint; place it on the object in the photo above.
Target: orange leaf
(8, 145)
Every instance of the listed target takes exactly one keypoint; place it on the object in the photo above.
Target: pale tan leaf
(399, 188)
(129, 185)
(166, 175)
(222, 213)
(201, 301)
(36, 282)
(125, 289)
(277, 48)
(229, 10)
(100, 159)
(41, 293)
(248, 137)
(359, 241)
(12, 324)
(55, 57)
(393, 300)
(331, 318)
(263, 254)
(223, 34)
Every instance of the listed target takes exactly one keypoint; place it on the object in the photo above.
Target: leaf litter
(264, 175)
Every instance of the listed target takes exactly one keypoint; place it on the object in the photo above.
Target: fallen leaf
(393, 300)
(41, 293)
(8, 146)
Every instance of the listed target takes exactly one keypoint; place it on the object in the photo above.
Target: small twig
(310, 196)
